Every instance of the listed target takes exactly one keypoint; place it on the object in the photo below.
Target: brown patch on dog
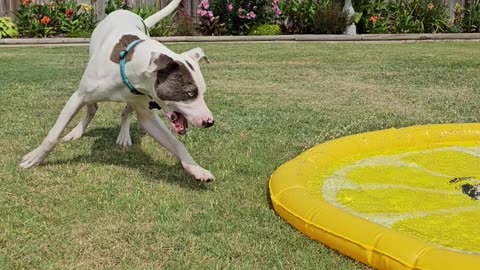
(122, 45)
(174, 82)
(163, 62)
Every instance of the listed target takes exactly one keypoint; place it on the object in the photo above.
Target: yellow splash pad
(393, 199)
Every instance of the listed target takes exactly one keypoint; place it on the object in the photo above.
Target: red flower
(374, 19)
(45, 20)
(69, 13)
(26, 2)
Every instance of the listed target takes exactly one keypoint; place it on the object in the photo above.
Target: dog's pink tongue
(180, 124)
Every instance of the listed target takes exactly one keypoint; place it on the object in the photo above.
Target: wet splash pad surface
(393, 199)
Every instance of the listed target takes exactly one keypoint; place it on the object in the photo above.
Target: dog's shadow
(105, 151)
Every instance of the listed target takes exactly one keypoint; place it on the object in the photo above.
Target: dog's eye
(191, 94)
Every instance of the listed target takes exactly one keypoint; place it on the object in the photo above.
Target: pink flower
(201, 12)
(275, 7)
(210, 14)
(204, 4)
(251, 15)
(229, 7)
(240, 13)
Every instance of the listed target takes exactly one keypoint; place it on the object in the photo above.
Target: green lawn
(95, 205)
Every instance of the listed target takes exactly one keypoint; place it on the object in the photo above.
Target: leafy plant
(36, 20)
(297, 15)
(208, 23)
(238, 16)
(8, 29)
(456, 26)
(57, 17)
(162, 28)
(113, 5)
(331, 19)
(184, 25)
(419, 16)
(212, 26)
(471, 17)
(403, 16)
(266, 30)
(77, 20)
(375, 17)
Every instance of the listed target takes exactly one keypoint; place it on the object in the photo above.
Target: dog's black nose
(207, 124)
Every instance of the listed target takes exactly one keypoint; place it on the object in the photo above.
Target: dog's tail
(164, 12)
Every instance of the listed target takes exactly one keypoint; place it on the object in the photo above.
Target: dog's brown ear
(158, 62)
(197, 54)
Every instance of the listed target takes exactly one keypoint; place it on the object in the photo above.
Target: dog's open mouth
(179, 123)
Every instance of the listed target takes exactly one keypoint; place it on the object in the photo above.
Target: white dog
(151, 75)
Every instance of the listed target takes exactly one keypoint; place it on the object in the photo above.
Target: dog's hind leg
(152, 124)
(74, 104)
(79, 129)
(123, 138)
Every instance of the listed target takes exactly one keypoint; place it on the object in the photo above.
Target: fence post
(99, 8)
(8, 6)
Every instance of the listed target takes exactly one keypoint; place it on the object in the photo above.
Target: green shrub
(403, 16)
(211, 26)
(471, 17)
(375, 17)
(8, 29)
(297, 15)
(184, 24)
(162, 28)
(266, 30)
(76, 20)
(331, 19)
(419, 16)
(234, 17)
(113, 5)
(56, 17)
(457, 25)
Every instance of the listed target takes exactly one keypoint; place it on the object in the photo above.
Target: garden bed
(226, 18)
(280, 38)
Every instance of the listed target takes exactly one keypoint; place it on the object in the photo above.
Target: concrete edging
(281, 38)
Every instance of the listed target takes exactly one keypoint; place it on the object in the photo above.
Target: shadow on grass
(105, 151)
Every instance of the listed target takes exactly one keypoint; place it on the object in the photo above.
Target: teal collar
(123, 55)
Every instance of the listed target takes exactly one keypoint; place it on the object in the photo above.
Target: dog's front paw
(124, 139)
(199, 173)
(76, 133)
(33, 158)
